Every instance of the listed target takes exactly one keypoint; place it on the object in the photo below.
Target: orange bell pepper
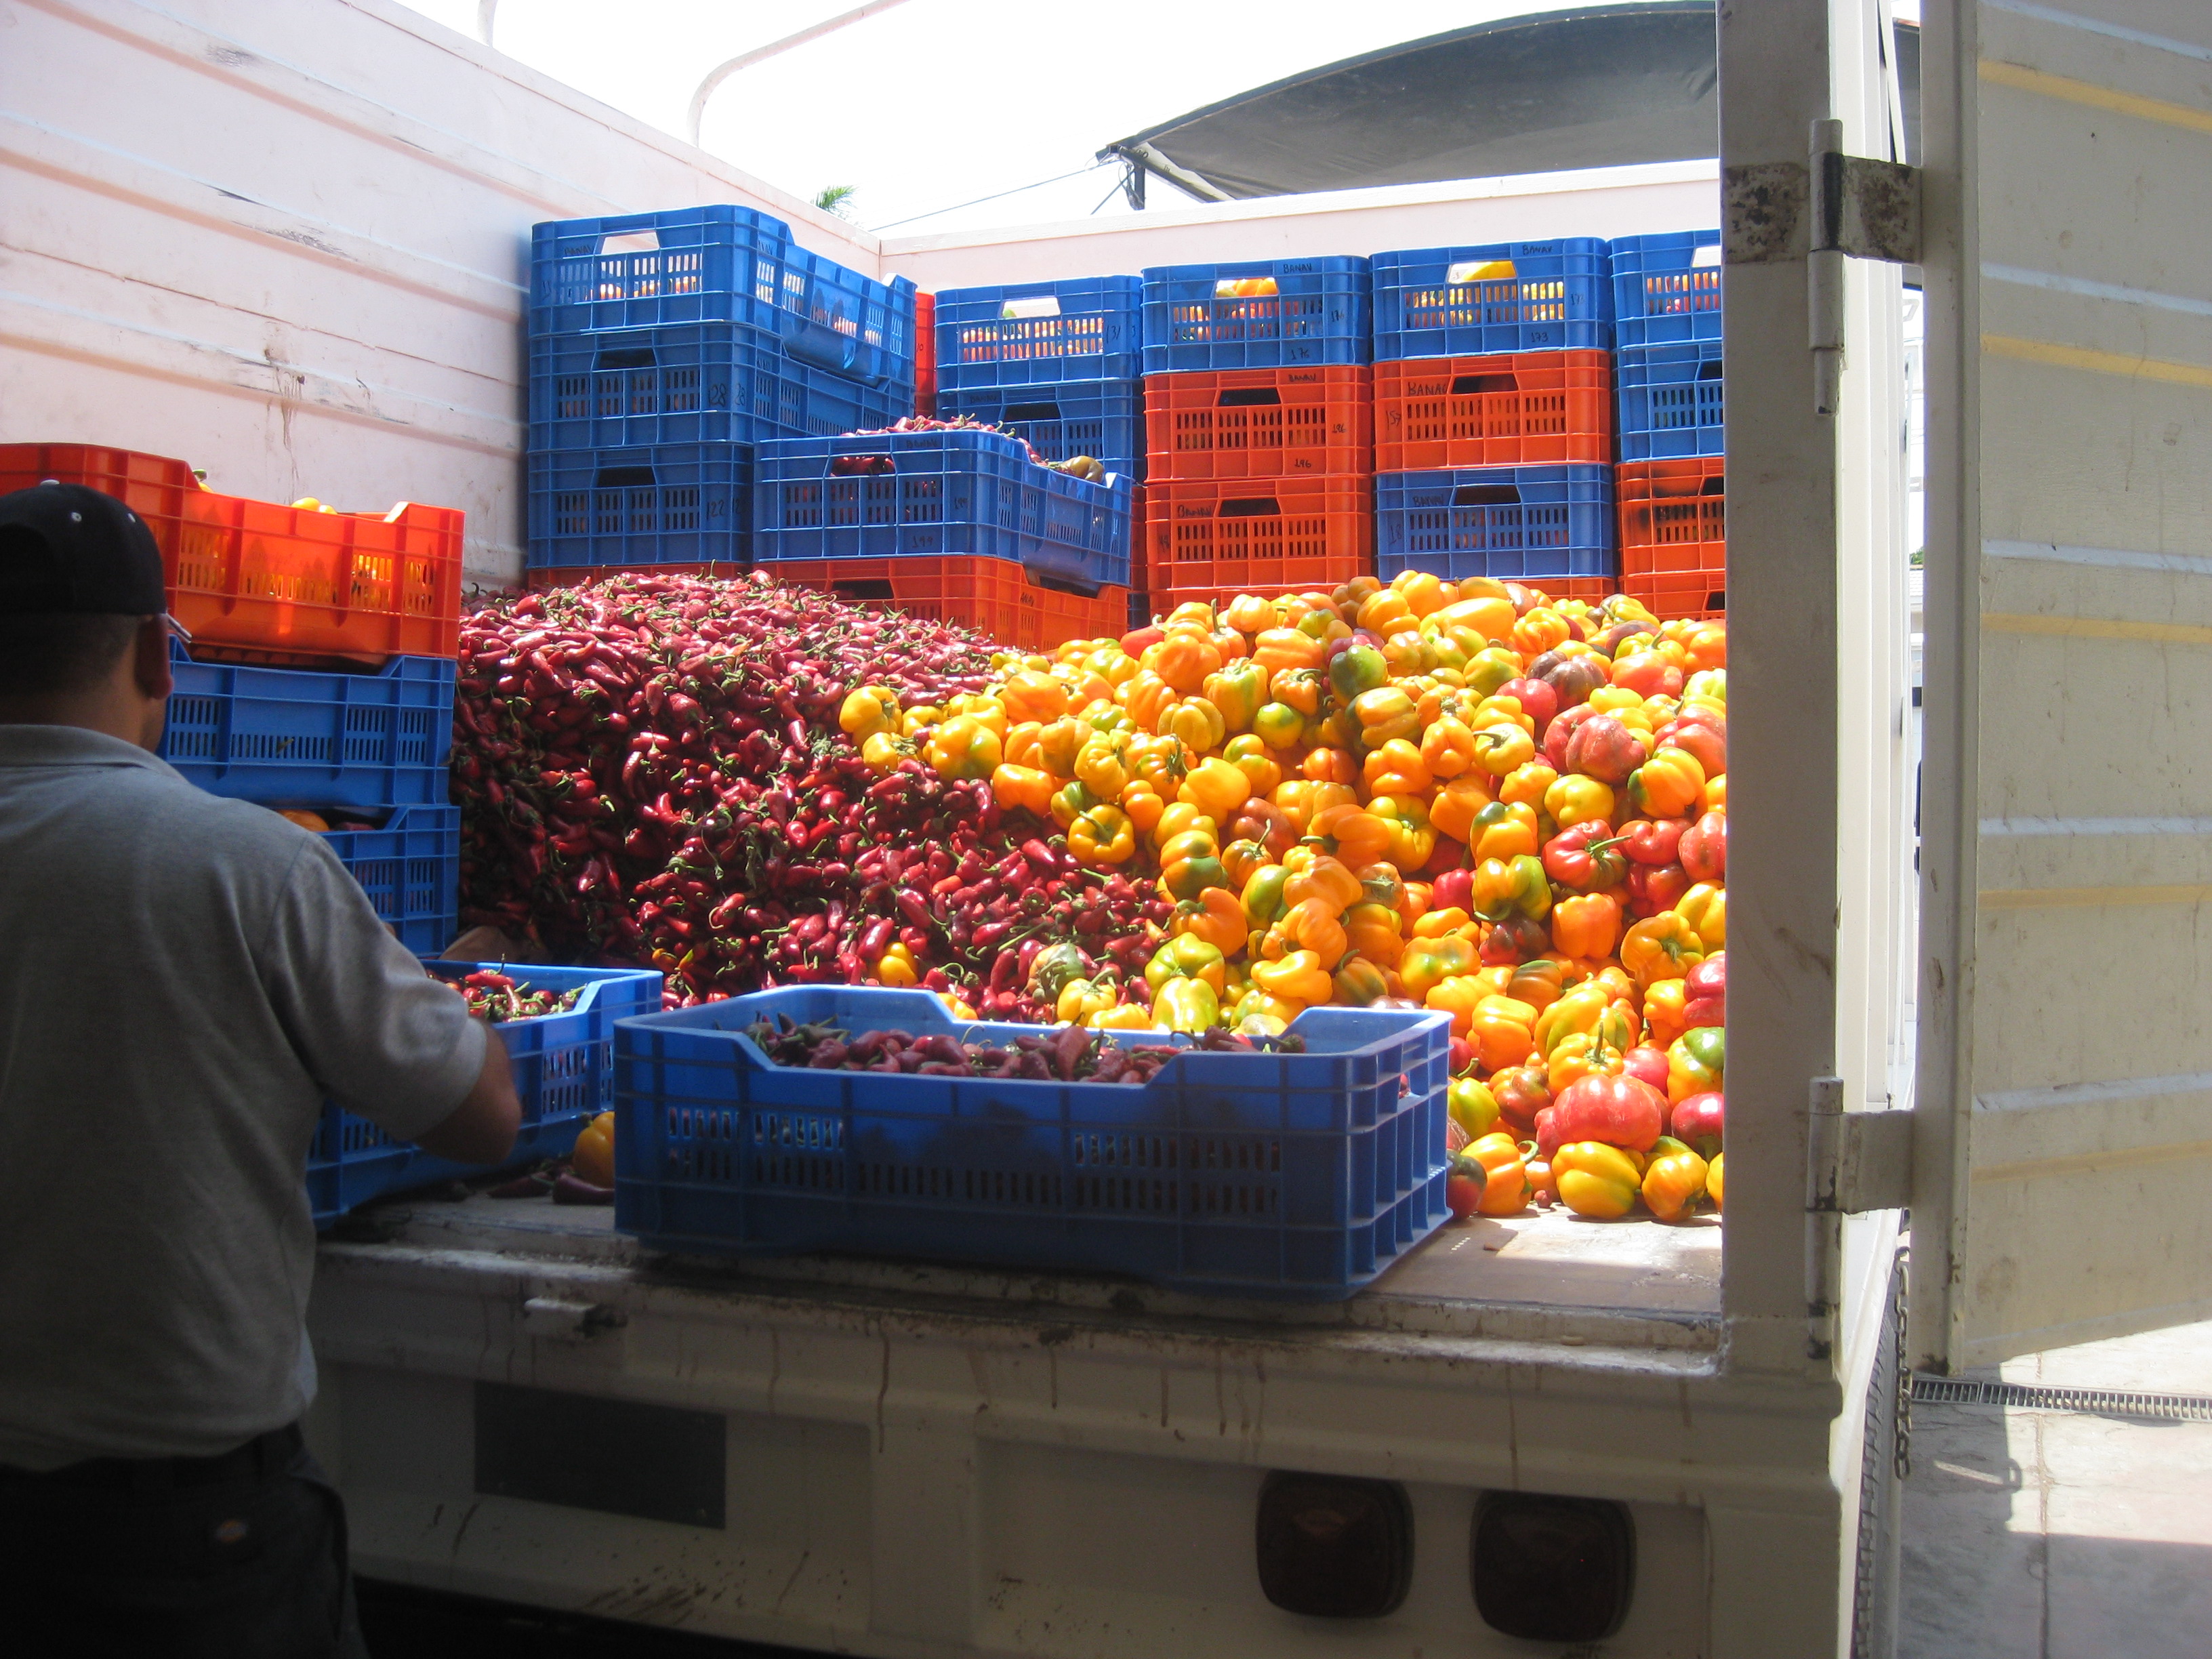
(1587, 925)
(1143, 805)
(1030, 695)
(1145, 695)
(1284, 650)
(1352, 833)
(1247, 613)
(1184, 659)
(1326, 878)
(1029, 787)
(1504, 1160)
(1503, 830)
(1539, 631)
(1674, 1180)
(1216, 915)
(1499, 1031)
(1375, 932)
(1309, 925)
(1395, 768)
(1539, 982)
(1447, 747)
(1665, 1005)
(1453, 809)
(1296, 978)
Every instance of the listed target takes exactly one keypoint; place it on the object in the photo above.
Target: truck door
(2064, 1143)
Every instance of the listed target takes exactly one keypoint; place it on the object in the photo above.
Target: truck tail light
(1549, 1569)
(1333, 1548)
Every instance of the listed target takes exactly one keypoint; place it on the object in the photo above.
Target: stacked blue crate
(1666, 305)
(365, 750)
(1494, 304)
(1058, 364)
(664, 347)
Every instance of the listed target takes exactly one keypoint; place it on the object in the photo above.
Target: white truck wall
(1605, 201)
(290, 243)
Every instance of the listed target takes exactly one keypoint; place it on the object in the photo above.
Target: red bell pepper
(1584, 857)
(1699, 1121)
(1604, 749)
(1706, 992)
(1537, 700)
(1704, 850)
(1649, 1064)
(1700, 736)
(1654, 888)
(1653, 840)
(1616, 1108)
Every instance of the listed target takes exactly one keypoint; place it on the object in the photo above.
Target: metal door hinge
(1856, 1161)
(1865, 209)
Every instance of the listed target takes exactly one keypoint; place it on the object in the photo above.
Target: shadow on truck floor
(403, 1622)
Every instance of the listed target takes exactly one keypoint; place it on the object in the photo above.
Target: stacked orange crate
(1673, 535)
(1259, 480)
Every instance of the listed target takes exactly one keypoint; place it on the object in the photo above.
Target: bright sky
(938, 103)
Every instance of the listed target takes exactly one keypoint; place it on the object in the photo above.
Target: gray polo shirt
(182, 979)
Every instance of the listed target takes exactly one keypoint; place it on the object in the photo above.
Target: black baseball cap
(66, 548)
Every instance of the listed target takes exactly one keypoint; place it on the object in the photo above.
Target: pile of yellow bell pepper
(1468, 797)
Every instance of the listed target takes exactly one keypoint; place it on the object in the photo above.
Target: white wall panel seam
(2110, 558)
(2086, 1094)
(2086, 289)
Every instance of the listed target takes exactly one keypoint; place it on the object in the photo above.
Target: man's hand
(482, 1128)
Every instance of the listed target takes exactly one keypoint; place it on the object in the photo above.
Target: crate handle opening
(1029, 412)
(1486, 495)
(1029, 305)
(1716, 485)
(623, 478)
(631, 241)
(1249, 396)
(1481, 386)
(1705, 258)
(1717, 601)
(1081, 590)
(825, 348)
(628, 357)
(1256, 507)
(864, 593)
(1711, 371)
(861, 466)
(1461, 272)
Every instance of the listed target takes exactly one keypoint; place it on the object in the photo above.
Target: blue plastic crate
(410, 868)
(1103, 419)
(1674, 401)
(295, 737)
(1318, 314)
(1513, 523)
(563, 1066)
(1090, 328)
(722, 264)
(1430, 302)
(1666, 289)
(689, 383)
(1298, 1176)
(960, 492)
(655, 504)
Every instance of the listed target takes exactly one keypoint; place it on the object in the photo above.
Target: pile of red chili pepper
(651, 770)
(499, 997)
(1070, 1054)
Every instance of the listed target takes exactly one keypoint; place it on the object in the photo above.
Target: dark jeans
(242, 1556)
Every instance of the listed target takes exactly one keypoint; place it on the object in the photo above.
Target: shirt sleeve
(384, 1039)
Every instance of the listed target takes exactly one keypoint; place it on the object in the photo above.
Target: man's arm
(482, 1128)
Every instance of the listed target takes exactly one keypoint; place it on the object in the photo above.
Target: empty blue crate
(1666, 289)
(1287, 1176)
(689, 383)
(1061, 420)
(294, 737)
(1263, 313)
(563, 1069)
(1492, 298)
(1512, 523)
(410, 865)
(1089, 328)
(882, 494)
(656, 504)
(722, 264)
(1674, 401)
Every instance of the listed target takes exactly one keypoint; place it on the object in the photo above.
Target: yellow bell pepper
(1663, 947)
(1159, 760)
(1503, 830)
(1668, 785)
(1427, 962)
(1574, 800)
(1500, 749)
(1189, 865)
(1447, 747)
(1103, 836)
(1080, 999)
(1704, 908)
(1279, 726)
(1101, 766)
(1596, 1180)
(1123, 1016)
(963, 747)
(897, 966)
(1514, 886)
(1665, 1005)
(1238, 691)
(1181, 818)
(1216, 788)
(1263, 895)
(884, 749)
(1186, 957)
(1412, 838)
(1070, 803)
(1298, 977)
(1194, 721)
(868, 710)
(1589, 1007)
(1324, 877)
(1713, 1180)
(1360, 983)
(1384, 713)
(1249, 755)
(985, 710)
(1189, 1005)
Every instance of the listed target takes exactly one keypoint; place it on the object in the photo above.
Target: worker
(183, 981)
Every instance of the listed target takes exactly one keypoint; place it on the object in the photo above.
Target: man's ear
(150, 660)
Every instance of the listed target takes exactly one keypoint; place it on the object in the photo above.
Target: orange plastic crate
(1674, 534)
(924, 354)
(1516, 408)
(255, 580)
(1206, 540)
(1222, 424)
(999, 598)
